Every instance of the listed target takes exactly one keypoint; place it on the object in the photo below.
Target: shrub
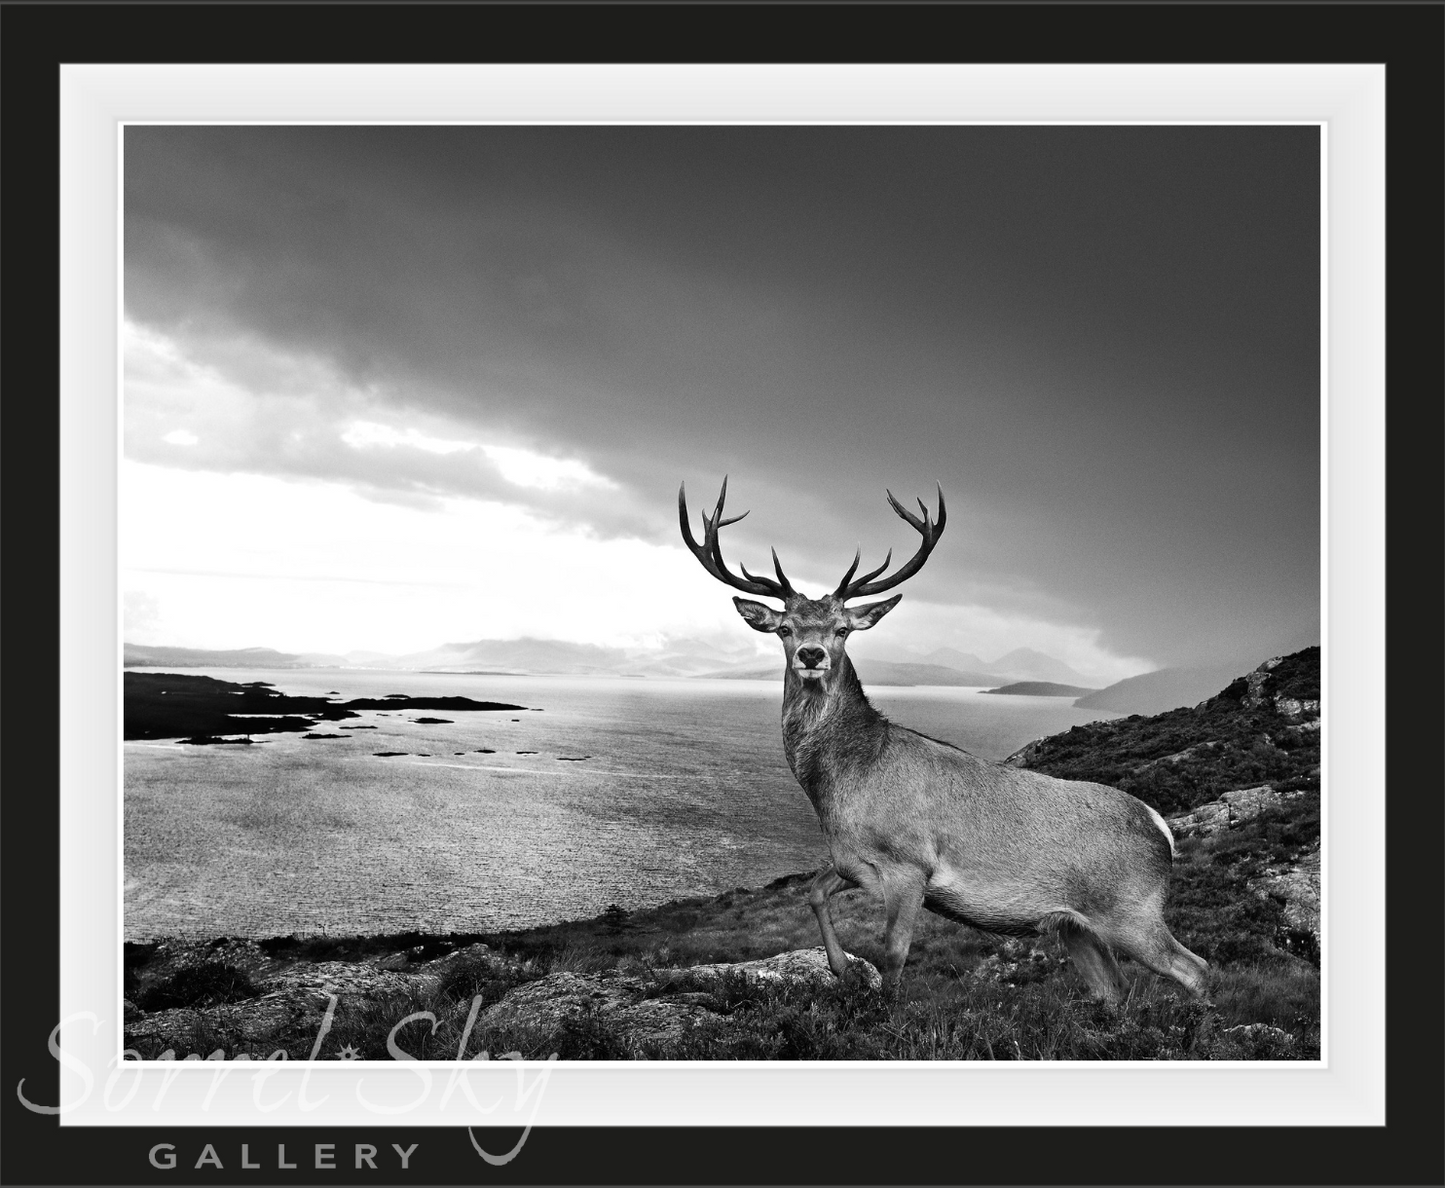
(469, 976)
(204, 984)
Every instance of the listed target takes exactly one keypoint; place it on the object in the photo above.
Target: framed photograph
(447, 780)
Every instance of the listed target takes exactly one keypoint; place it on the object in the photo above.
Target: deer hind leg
(827, 884)
(1091, 955)
(902, 901)
(1153, 945)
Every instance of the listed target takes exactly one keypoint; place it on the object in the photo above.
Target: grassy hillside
(1263, 728)
(966, 996)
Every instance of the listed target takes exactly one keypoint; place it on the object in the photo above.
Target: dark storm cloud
(1102, 341)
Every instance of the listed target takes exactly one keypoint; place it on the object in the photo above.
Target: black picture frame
(37, 39)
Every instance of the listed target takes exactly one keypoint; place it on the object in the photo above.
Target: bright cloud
(368, 433)
(525, 468)
(250, 407)
(251, 560)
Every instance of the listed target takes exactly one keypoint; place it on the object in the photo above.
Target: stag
(923, 824)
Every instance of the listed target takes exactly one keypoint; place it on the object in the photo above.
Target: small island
(1040, 689)
(200, 709)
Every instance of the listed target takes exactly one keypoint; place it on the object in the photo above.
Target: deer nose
(812, 657)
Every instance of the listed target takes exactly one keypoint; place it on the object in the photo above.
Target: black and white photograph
(722, 592)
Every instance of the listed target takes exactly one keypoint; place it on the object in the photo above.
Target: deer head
(813, 631)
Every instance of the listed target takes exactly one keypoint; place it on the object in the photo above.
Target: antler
(710, 554)
(930, 532)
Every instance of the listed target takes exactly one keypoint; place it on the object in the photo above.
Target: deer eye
(785, 631)
(841, 632)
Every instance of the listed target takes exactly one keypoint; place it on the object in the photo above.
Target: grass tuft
(201, 985)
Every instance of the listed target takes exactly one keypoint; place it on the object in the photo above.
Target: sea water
(602, 791)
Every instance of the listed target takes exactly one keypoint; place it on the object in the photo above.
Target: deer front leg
(902, 899)
(827, 884)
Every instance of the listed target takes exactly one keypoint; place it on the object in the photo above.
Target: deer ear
(864, 617)
(757, 616)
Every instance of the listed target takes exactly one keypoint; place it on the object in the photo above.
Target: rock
(1229, 810)
(1258, 693)
(799, 965)
(473, 950)
(229, 1024)
(349, 980)
(1292, 707)
(640, 1008)
(551, 1002)
(1258, 1031)
(1297, 887)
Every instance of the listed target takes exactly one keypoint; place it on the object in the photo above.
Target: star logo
(349, 1053)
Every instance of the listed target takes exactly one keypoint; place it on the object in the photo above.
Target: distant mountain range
(137, 655)
(1151, 693)
(681, 657)
(1022, 664)
(1166, 689)
(871, 672)
(678, 657)
(1025, 664)
(553, 656)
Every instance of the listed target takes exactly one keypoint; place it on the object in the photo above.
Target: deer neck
(828, 733)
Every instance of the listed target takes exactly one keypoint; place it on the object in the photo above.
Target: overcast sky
(391, 387)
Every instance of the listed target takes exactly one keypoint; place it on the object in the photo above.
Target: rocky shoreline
(204, 710)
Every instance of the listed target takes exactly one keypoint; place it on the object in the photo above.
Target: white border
(1348, 100)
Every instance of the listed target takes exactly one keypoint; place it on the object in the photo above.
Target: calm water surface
(635, 792)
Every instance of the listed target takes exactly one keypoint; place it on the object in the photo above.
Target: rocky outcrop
(1296, 887)
(1261, 692)
(1253, 1041)
(1229, 811)
(553, 1002)
(656, 1007)
(797, 966)
(241, 996)
(235, 989)
(252, 1022)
